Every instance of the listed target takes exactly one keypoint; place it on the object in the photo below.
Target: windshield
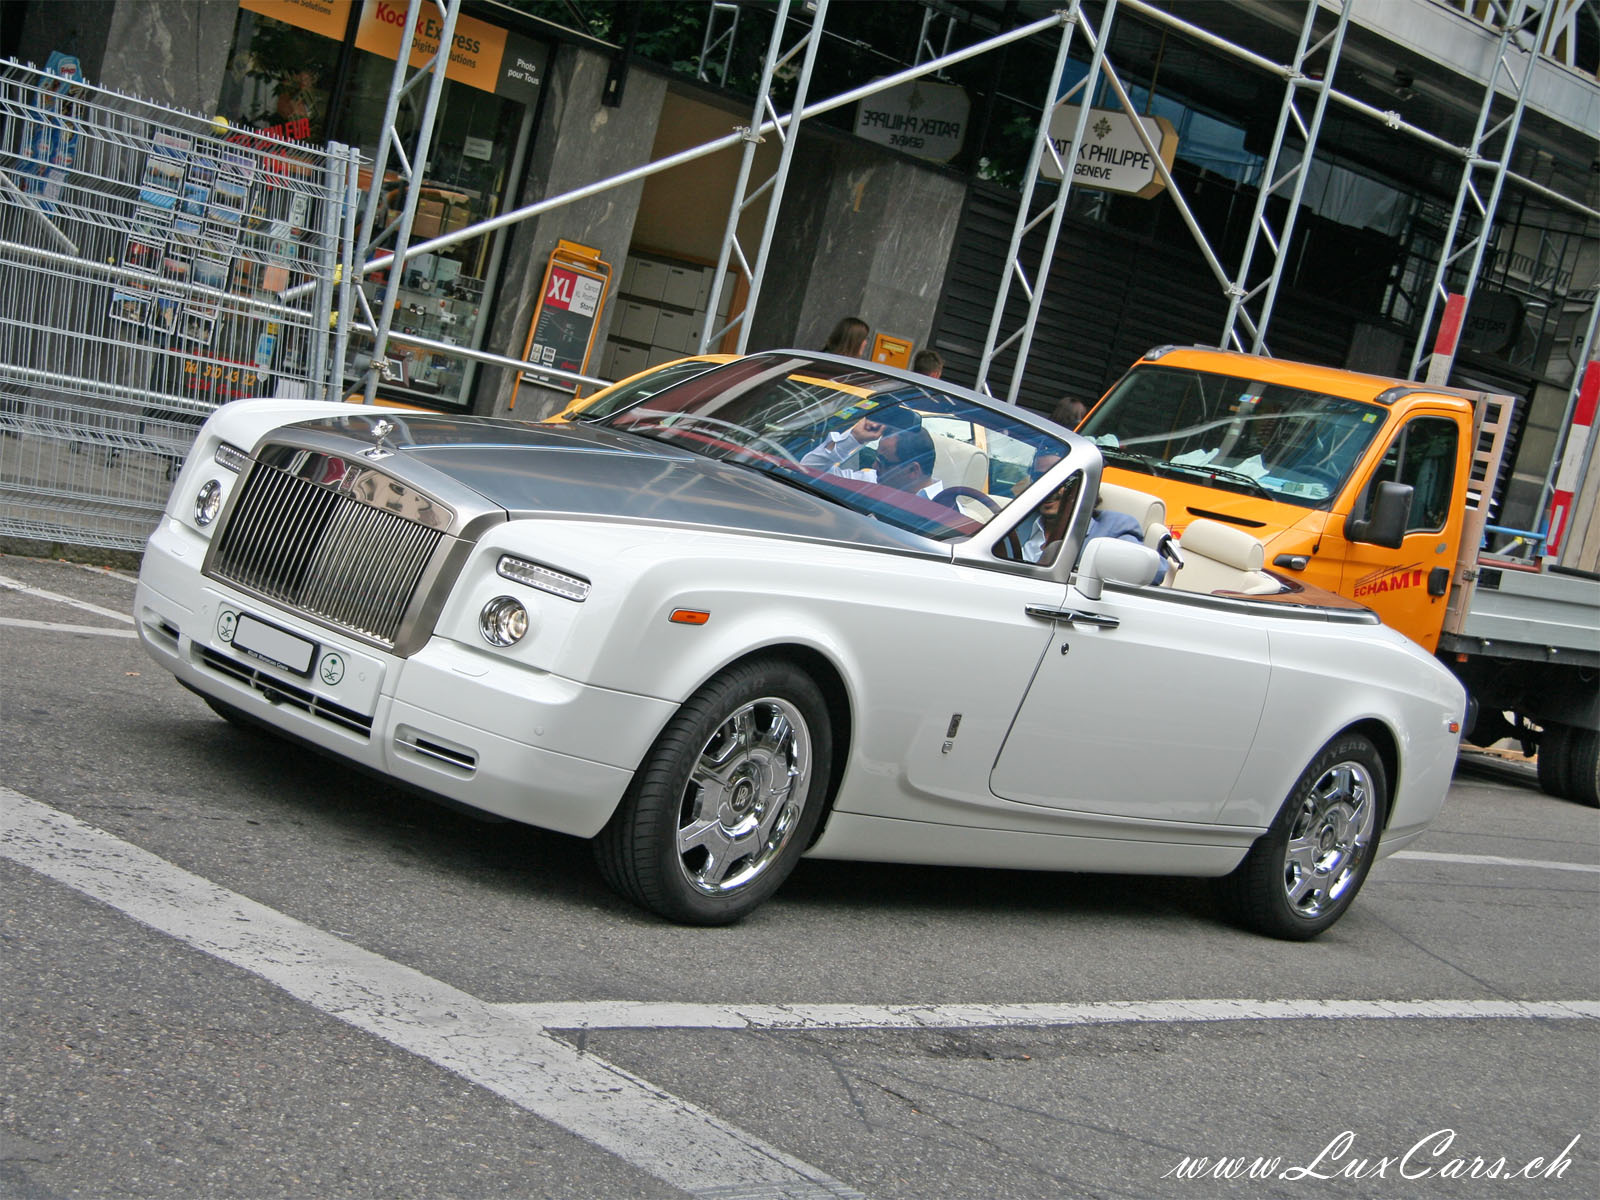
(620, 395)
(1281, 442)
(911, 453)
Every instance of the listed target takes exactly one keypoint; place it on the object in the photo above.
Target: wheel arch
(830, 680)
(1388, 748)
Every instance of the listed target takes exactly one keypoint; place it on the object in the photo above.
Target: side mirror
(1114, 560)
(1385, 523)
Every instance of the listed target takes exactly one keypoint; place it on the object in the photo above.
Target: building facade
(905, 218)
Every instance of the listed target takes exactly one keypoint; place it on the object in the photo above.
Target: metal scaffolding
(744, 196)
(1469, 239)
(409, 164)
(1301, 80)
(1251, 285)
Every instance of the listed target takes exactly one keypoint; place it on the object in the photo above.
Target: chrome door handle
(1072, 616)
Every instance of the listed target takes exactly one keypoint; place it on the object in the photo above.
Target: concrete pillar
(579, 141)
(173, 54)
(861, 233)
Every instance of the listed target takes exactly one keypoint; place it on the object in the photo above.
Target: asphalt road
(233, 969)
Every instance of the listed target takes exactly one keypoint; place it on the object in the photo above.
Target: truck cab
(1354, 483)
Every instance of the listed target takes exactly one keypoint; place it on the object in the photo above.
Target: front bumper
(451, 719)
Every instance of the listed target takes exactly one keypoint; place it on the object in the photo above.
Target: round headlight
(503, 621)
(207, 502)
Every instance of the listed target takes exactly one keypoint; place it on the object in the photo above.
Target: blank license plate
(273, 645)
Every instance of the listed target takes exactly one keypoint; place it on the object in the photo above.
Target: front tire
(727, 798)
(1302, 874)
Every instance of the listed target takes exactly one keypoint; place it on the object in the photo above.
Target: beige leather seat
(959, 464)
(1220, 558)
(1144, 508)
(1150, 511)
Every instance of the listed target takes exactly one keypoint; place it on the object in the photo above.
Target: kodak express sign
(482, 55)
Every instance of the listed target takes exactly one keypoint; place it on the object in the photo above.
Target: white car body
(972, 727)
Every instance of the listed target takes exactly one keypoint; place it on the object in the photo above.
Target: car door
(1144, 706)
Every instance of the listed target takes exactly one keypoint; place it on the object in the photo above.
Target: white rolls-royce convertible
(796, 605)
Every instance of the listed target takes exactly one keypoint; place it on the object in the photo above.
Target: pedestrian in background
(849, 337)
(929, 363)
(1069, 411)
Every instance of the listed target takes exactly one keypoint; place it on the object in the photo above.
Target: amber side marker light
(689, 616)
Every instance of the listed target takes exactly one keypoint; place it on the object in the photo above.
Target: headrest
(1144, 508)
(1224, 543)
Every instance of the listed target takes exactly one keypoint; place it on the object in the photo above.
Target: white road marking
(57, 627)
(629, 1117)
(509, 1049)
(17, 585)
(643, 1014)
(1494, 860)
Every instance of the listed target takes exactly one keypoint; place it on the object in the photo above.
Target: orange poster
(330, 18)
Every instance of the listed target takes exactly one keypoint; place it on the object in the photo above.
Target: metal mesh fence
(145, 254)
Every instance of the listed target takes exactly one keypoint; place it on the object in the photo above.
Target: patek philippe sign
(928, 120)
(1112, 156)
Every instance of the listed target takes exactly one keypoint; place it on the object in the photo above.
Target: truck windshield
(1282, 442)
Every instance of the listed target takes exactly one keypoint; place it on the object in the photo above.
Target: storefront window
(280, 75)
(284, 68)
(475, 141)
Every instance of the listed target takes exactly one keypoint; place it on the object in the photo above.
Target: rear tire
(1583, 766)
(1552, 760)
(1304, 872)
(727, 798)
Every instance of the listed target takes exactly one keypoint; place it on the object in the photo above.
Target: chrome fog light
(503, 621)
(207, 503)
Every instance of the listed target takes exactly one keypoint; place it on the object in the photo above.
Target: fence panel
(144, 258)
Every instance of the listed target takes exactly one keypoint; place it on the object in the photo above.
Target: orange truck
(1378, 489)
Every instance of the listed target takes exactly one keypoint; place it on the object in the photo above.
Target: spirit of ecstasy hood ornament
(383, 449)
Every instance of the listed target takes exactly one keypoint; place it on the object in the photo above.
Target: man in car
(903, 458)
(1102, 523)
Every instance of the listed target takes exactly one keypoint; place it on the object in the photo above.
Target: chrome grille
(318, 550)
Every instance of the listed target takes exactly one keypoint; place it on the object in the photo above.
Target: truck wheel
(1302, 874)
(725, 802)
(1552, 760)
(1583, 766)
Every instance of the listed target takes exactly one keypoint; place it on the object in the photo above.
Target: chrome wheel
(1301, 875)
(1329, 839)
(727, 799)
(745, 795)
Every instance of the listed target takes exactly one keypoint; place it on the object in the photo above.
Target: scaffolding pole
(410, 168)
(1033, 288)
(1456, 246)
(743, 195)
(1242, 293)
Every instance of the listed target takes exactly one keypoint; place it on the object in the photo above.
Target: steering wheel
(957, 491)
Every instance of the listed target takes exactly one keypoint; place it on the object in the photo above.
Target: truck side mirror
(1387, 515)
